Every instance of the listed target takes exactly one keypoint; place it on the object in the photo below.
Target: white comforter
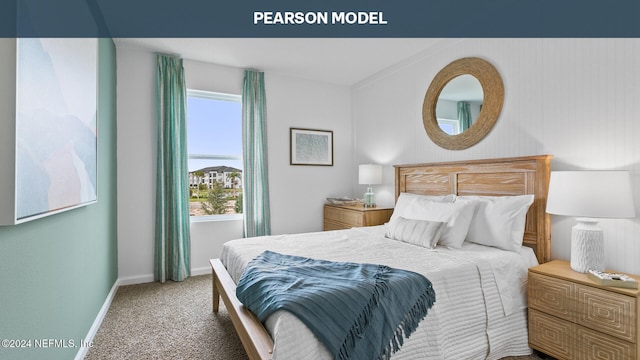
(480, 309)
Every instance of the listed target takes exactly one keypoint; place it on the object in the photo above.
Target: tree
(216, 201)
(238, 207)
(199, 174)
(233, 176)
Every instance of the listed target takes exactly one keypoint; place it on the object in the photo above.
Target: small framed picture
(311, 147)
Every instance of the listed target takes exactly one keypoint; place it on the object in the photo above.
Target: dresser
(571, 317)
(338, 217)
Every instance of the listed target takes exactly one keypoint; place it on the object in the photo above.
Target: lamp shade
(370, 174)
(594, 194)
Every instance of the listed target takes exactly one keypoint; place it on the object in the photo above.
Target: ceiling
(337, 61)
(463, 88)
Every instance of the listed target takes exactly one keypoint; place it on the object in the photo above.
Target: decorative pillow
(499, 220)
(406, 203)
(418, 232)
(457, 215)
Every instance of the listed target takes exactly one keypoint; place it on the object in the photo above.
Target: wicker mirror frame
(493, 89)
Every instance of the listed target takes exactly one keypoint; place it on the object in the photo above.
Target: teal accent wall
(56, 272)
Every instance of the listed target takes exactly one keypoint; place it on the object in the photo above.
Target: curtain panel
(464, 115)
(257, 218)
(172, 238)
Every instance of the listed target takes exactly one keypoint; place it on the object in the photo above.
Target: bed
(481, 308)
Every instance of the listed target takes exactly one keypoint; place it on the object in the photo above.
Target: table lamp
(369, 174)
(589, 195)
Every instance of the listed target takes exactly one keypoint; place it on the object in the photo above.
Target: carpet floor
(171, 321)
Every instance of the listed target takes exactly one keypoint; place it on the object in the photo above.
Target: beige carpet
(170, 321)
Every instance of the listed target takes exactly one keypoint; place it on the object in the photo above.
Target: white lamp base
(587, 246)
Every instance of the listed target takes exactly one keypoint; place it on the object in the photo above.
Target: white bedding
(480, 309)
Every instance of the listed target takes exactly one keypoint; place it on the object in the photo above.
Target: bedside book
(612, 279)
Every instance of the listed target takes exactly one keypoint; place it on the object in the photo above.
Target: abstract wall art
(55, 126)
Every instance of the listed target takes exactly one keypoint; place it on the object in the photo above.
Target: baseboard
(98, 321)
(201, 271)
(142, 279)
(139, 279)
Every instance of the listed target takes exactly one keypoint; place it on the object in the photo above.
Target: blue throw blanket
(359, 311)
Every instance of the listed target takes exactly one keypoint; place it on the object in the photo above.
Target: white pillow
(405, 205)
(499, 220)
(439, 198)
(418, 232)
(457, 215)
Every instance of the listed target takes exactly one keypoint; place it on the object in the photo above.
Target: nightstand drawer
(551, 335)
(594, 308)
(607, 312)
(354, 218)
(332, 225)
(597, 345)
(347, 216)
(565, 340)
(553, 296)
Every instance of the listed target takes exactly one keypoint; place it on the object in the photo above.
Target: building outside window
(214, 143)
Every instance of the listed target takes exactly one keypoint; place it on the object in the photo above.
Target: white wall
(136, 166)
(575, 99)
(297, 192)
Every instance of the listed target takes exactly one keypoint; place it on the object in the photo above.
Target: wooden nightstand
(338, 217)
(571, 317)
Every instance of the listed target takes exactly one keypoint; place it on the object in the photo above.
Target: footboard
(254, 336)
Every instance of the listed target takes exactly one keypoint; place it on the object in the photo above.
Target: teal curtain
(172, 242)
(257, 219)
(464, 115)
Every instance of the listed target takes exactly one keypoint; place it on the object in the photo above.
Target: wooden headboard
(493, 177)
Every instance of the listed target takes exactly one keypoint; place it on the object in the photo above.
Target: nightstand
(338, 217)
(572, 317)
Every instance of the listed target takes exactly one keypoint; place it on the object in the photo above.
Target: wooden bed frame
(506, 176)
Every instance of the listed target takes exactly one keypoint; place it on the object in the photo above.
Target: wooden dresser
(338, 217)
(571, 317)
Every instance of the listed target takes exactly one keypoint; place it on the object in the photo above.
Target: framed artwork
(56, 126)
(311, 147)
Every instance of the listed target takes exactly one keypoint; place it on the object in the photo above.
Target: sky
(214, 128)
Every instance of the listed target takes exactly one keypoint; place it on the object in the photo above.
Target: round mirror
(462, 103)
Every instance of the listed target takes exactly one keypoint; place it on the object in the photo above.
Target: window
(449, 126)
(214, 144)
